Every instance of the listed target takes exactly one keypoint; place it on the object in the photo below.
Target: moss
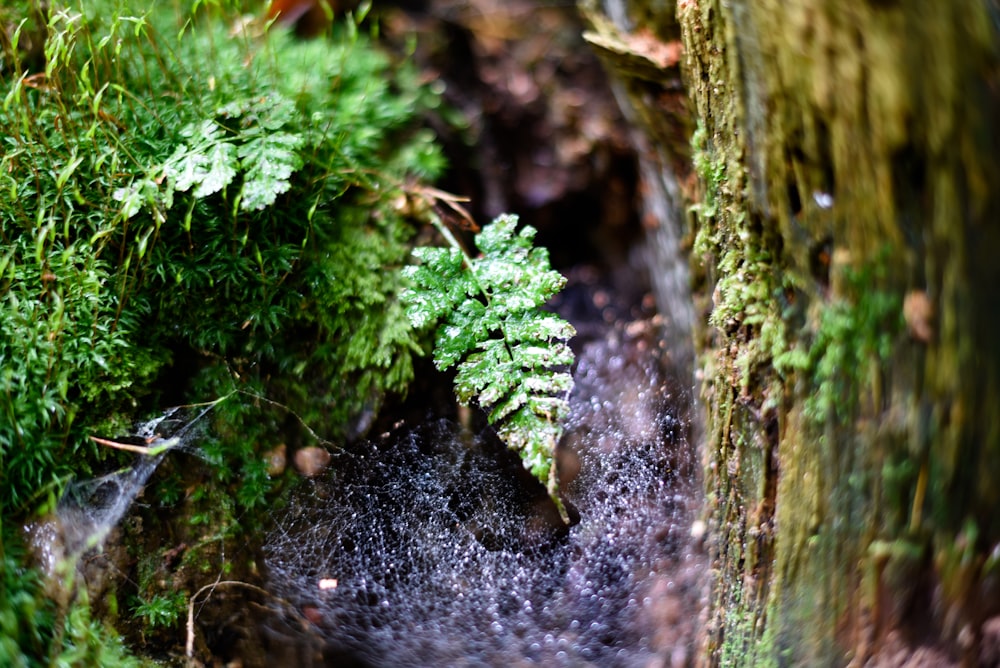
(248, 237)
(189, 213)
(748, 639)
(819, 147)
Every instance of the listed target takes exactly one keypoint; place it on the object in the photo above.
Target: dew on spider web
(89, 509)
(432, 553)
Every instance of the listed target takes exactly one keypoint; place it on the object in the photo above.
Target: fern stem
(457, 245)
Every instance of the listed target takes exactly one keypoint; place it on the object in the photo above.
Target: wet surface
(427, 546)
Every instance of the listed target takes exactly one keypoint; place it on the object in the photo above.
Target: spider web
(89, 509)
(424, 549)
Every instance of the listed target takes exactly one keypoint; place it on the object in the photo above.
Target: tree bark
(847, 294)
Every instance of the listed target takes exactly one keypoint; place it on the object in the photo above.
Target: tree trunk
(848, 299)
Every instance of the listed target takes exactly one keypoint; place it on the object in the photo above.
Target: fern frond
(243, 137)
(208, 165)
(511, 356)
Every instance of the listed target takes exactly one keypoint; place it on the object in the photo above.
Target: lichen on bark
(848, 215)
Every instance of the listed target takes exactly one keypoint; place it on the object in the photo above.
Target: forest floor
(530, 126)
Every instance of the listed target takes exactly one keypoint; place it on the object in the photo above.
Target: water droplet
(823, 200)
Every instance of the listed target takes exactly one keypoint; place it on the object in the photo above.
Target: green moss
(747, 640)
(776, 339)
(711, 169)
(820, 149)
(227, 199)
(36, 631)
(853, 340)
(189, 213)
(161, 610)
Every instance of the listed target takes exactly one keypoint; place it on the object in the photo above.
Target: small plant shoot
(512, 357)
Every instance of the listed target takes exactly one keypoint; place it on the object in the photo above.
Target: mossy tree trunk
(848, 256)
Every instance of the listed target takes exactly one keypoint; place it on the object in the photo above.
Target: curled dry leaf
(918, 311)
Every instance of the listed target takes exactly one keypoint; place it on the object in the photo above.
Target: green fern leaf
(511, 356)
(243, 138)
(269, 161)
(208, 165)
